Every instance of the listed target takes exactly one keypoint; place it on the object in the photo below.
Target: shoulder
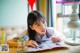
(54, 31)
(50, 29)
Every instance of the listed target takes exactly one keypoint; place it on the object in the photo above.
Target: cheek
(37, 30)
(40, 31)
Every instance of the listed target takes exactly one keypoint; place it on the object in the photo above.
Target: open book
(47, 46)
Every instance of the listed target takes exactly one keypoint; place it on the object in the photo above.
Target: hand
(55, 39)
(32, 43)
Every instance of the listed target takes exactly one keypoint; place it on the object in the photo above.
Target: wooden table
(71, 49)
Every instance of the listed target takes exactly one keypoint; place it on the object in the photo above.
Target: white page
(46, 45)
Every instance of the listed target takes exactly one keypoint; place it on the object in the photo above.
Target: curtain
(45, 6)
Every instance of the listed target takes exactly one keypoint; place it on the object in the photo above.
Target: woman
(37, 31)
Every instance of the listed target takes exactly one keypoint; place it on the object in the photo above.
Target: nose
(42, 26)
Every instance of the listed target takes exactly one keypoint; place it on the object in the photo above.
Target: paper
(47, 45)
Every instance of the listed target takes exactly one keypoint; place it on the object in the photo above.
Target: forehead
(37, 21)
(40, 20)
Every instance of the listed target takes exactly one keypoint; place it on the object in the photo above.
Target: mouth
(43, 31)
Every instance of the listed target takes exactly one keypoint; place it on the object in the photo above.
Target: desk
(71, 49)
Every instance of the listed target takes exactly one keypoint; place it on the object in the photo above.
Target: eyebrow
(37, 21)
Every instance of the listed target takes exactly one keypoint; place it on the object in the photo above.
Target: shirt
(51, 32)
(46, 37)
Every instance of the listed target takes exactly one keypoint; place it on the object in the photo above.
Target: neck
(41, 35)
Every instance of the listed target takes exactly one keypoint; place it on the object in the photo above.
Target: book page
(47, 45)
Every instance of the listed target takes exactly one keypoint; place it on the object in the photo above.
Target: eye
(43, 21)
(38, 24)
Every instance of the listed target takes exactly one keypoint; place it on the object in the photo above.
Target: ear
(31, 27)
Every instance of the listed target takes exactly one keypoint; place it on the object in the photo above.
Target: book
(48, 45)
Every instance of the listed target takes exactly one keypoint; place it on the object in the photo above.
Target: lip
(43, 31)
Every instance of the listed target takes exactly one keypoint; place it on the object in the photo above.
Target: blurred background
(13, 15)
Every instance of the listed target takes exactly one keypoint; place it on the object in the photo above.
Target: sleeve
(54, 32)
(50, 31)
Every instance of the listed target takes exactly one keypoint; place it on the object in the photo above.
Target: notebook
(47, 46)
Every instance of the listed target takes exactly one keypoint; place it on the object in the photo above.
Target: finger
(32, 45)
(59, 39)
(35, 43)
(55, 39)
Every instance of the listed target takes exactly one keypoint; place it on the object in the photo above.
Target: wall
(13, 17)
(13, 12)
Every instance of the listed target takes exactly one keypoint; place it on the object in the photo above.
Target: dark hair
(31, 19)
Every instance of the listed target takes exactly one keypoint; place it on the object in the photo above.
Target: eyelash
(38, 24)
(43, 21)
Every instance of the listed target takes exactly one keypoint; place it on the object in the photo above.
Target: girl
(37, 30)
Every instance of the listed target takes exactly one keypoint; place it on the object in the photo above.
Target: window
(67, 9)
(63, 20)
(63, 12)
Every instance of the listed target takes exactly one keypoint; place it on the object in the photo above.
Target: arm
(55, 35)
(58, 34)
(14, 43)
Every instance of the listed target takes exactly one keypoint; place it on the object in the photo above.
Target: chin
(43, 33)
